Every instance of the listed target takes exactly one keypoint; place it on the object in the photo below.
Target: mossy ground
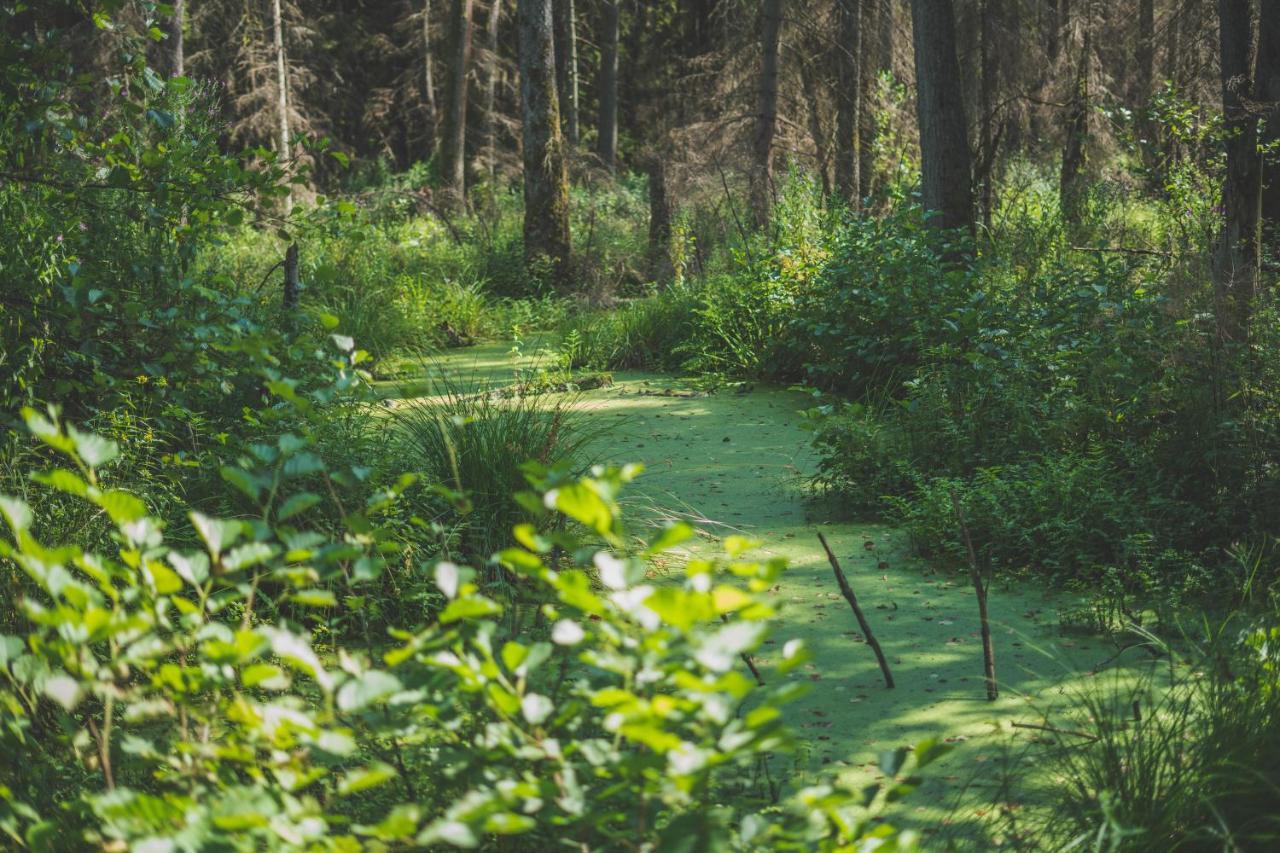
(733, 461)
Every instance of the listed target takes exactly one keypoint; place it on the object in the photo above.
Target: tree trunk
(766, 113)
(546, 181)
(292, 284)
(813, 104)
(989, 15)
(877, 57)
(566, 41)
(453, 141)
(491, 87)
(282, 85)
(660, 270)
(1072, 182)
(1144, 84)
(849, 58)
(946, 171)
(179, 50)
(1237, 262)
(607, 128)
(1268, 92)
(428, 78)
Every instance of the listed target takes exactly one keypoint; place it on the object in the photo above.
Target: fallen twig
(857, 611)
(988, 647)
(1054, 730)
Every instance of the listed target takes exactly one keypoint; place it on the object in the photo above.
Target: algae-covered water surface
(738, 461)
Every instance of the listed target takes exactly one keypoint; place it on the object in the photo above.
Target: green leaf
(668, 538)
(581, 503)
(249, 554)
(93, 449)
(64, 481)
(265, 675)
(123, 507)
(64, 690)
(300, 502)
(367, 689)
(242, 480)
(536, 708)
(366, 777)
(891, 760)
(315, 598)
(216, 533)
(166, 581)
(47, 431)
(17, 513)
(469, 608)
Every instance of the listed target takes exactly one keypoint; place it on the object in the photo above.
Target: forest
(651, 425)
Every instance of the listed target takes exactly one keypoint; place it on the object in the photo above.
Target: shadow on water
(738, 462)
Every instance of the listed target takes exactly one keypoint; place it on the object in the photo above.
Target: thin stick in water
(857, 611)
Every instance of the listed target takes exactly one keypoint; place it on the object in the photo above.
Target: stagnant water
(738, 461)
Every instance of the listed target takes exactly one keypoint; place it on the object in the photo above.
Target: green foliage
(1196, 767)
(476, 444)
(166, 696)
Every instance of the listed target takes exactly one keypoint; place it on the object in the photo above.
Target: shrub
(165, 696)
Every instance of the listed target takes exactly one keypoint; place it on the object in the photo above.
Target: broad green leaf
(365, 778)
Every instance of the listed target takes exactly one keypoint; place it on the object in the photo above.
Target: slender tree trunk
(946, 170)
(766, 113)
(1238, 259)
(566, 39)
(877, 57)
(607, 128)
(1073, 182)
(546, 181)
(179, 50)
(491, 87)
(813, 105)
(1268, 92)
(428, 78)
(849, 59)
(453, 142)
(282, 86)
(660, 270)
(989, 68)
(1144, 84)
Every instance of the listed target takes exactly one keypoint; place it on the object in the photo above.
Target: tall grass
(1193, 766)
(475, 445)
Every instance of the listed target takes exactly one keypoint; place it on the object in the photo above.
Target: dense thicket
(1021, 253)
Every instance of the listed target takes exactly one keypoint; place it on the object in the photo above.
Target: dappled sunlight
(731, 462)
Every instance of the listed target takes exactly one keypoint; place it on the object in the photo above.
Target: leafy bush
(167, 697)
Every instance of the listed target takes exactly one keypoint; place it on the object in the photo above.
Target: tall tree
(1238, 259)
(945, 167)
(1268, 93)
(489, 116)
(453, 143)
(546, 179)
(1072, 181)
(1144, 81)
(849, 60)
(809, 60)
(989, 68)
(566, 42)
(179, 49)
(766, 112)
(428, 74)
(282, 94)
(877, 57)
(607, 127)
